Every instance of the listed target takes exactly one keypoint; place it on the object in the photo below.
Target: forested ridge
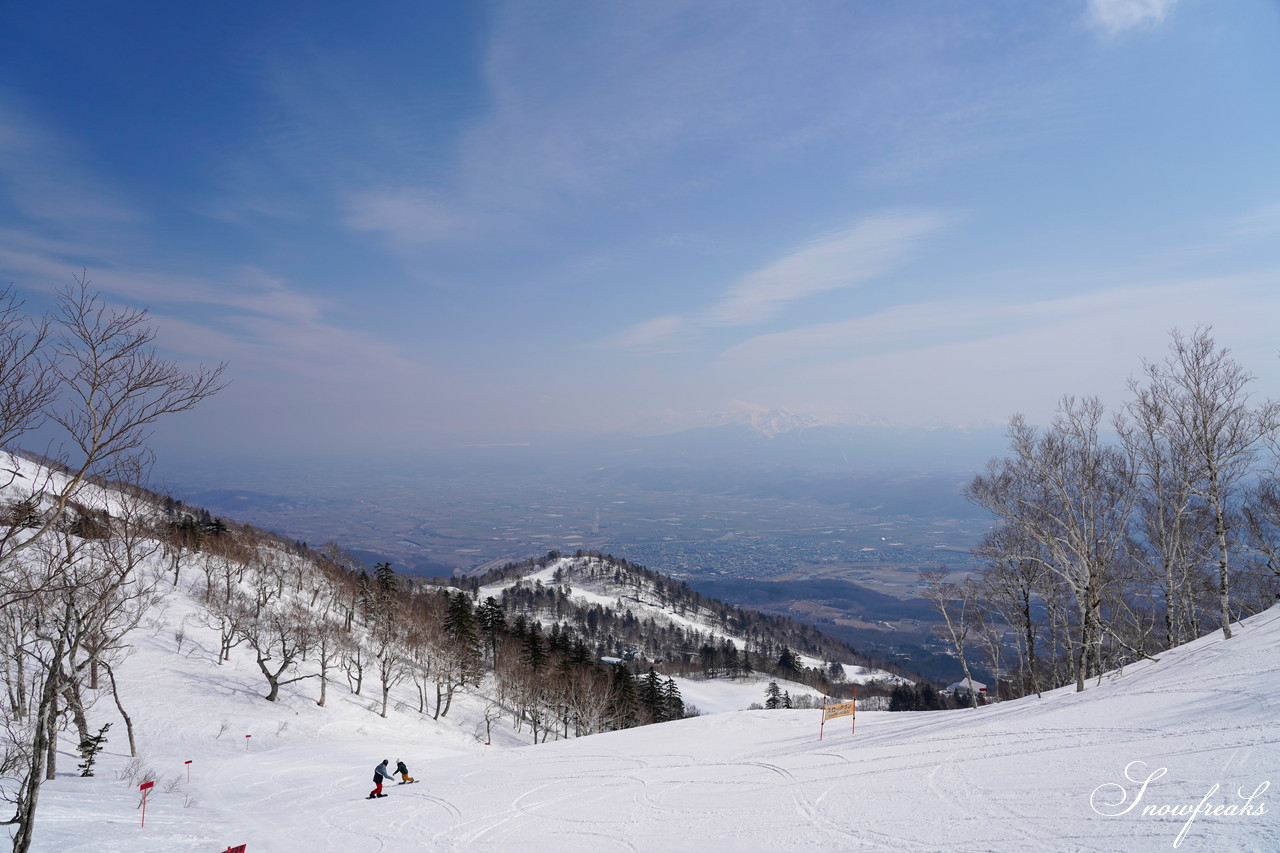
(691, 632)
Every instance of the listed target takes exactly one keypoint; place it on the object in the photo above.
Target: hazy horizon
(427, 225)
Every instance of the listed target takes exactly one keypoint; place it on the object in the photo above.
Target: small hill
(627, 611)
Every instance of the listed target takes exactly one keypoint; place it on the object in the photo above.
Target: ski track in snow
(1007, 778)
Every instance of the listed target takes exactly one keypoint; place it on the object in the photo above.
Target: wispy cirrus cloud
(976, 361)
(585, 106)
(294, 362)
(651, 334)
(868, 248)
(865, 250)
(271, 331)
(407, 217)
(1260, 222)
(1152, 307)
(579, 104)
(41, 174)
(1115, 16)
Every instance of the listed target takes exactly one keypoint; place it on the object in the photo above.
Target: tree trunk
(448, 701)
(128, 722)
(42, 740)
(51, 743)
(72, 694)
(1224, 586)
(273, 680)
(1031, 643)
(20, 685)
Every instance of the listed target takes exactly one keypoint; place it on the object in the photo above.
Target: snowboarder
(405, 778)
(380, 775)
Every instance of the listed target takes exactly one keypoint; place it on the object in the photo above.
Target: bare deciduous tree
(1072, 497)
(1171, 521)
(93, 373)
(1262, 524)
(280, 636)
(1212, 423)
(1014, 585)
(27, 388)
(109, 387)
(957, 603)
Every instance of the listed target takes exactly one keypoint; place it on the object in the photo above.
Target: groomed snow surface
(1038, 774)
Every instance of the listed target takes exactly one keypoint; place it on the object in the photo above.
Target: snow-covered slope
(1032, 775)
(587, 587)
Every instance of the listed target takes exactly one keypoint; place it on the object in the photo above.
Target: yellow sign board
(844, 709)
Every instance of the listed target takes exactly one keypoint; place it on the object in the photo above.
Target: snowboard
(407, 783)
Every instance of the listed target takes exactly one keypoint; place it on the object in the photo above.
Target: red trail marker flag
(144, 788)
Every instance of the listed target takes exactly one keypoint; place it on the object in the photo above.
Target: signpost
(144, 788)
(842, 709)
(188, 763)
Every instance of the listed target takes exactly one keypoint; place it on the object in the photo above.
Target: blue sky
(423, 223)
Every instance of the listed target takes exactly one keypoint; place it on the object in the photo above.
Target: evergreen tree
(903, 698)
(89, 749)
(24, 513)
(788, 665)
(558, 644)
(534, 654)
(651, 696)
(709, 657)
(492, 621)
(917, 697)
(580, 655)
(673, 702)
(459, 620)
(365, 584)
(622, 699)
(773, 696)
(385, 576)
(460, 628)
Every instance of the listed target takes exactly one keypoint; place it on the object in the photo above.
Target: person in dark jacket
(380, 775)
(405, 778)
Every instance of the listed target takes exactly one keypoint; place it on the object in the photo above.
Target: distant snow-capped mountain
(756, 437)
(772, 423)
